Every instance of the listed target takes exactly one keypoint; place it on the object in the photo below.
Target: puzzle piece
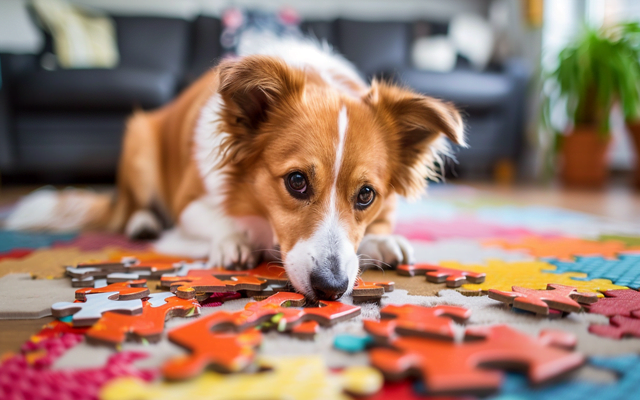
(446, 366)
(562, 248)
(618, 328)
(412, 320)
(128, 268)
(624, 270)
(528, 274)
(29, 374)
(557, 297)
(87, 313)
(626, 367)
(203, 281)
(437, 274)
(284, 378)
(351, 343)
(618, 302)
(114, 328)
(231, 351)
(127, 290)
(22, 297)
(273, 273)
(368, 291)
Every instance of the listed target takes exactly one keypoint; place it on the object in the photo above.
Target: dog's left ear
(414, 124)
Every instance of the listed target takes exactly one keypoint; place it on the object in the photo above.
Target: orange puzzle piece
(449, 367)
(557, 297)
(562, 248)
(129, 290)
(274, 274)
(415, 320)
(437, 274)
(114, 328)
(232, 350)
(366, 291)
(204, 281)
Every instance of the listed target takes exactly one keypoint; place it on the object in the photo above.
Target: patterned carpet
(455, 227)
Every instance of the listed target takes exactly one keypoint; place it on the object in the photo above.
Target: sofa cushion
(463, 87)
(86, 89)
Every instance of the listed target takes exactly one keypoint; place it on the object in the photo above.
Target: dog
(285, 147)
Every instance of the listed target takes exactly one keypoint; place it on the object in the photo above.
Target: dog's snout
(329, 283)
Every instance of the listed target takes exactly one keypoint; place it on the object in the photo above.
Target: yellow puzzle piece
(282, 378)
(503, 275)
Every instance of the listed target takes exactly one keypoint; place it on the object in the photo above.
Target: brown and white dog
(284, 147)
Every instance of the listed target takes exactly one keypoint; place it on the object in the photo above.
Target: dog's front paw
(385, 250)
(233, 251)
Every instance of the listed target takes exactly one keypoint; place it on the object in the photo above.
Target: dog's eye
(296, 184)
(365, 197)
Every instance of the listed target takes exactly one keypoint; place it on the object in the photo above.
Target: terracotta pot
(584, 161)
(634, 130)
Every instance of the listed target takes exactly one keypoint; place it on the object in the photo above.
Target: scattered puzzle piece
(351, 343)
(87, 313)
(562, 248)
(626, 367)
(624, 271)
(618, 328)
(557, 297)
(274, 274)
(126, 290)
(232, 351)
(437, 274)
(368, 291)
(22, 297)
(203, 281)
(128, 268)
(448, 367)
(114, 328)
(412, 320)
(618, 302)
(29, 375)
(300, 378)
(528, 274)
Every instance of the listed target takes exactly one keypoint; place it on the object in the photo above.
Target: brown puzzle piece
(203, 281)
(438, 274)
(415, 287)
(449, 367)
(22, 297)
(557, 297)
(368, 291)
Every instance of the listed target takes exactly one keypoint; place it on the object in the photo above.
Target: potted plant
(593, 72)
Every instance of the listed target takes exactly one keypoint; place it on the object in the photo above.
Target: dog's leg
(139, 180)
(379, 246)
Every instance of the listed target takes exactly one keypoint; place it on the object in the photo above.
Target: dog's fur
(212, 166)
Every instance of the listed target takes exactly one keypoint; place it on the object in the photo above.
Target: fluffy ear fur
(251, 88)
(415, 125)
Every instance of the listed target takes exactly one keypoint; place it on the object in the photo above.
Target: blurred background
(549, 89)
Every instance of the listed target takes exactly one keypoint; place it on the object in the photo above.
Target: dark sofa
(66, 125)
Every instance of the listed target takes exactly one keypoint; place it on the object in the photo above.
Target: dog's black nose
(328, 286)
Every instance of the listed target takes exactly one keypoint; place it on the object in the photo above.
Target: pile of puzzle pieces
(550, 293)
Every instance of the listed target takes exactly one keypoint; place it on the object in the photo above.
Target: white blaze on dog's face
(319, 164)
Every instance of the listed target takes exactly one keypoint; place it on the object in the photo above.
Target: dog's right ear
(252, 86)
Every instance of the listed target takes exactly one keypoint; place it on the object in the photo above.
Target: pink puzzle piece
(618, 302)
(456, 228)
(618, 328)
(557, 297)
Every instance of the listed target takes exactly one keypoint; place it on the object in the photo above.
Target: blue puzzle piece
(351, 343)
(10, 240)
(625, 271)
(626, 366)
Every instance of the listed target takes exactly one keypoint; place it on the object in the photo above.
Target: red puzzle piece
(128, 290)
(437, 274)
(272, 273)
(448, 367)
(624, 302)
(557, 297)
(416, 321)
(114, 328)
(619, 327)
(232, 351)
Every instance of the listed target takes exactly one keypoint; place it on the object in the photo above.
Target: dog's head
(320, 165)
